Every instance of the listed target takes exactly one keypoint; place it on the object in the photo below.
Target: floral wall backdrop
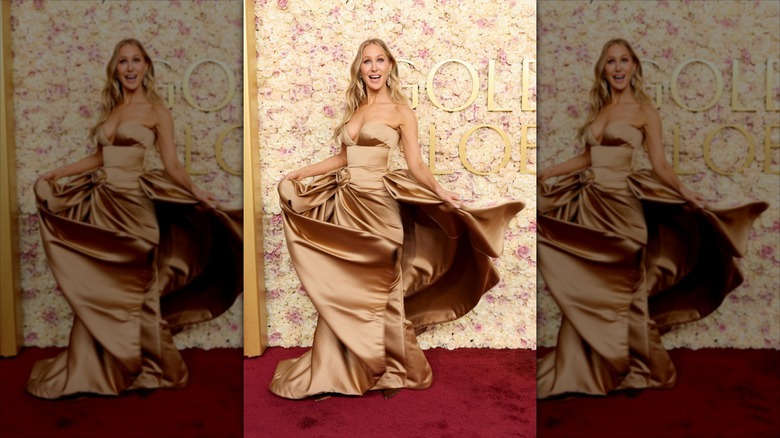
(739, 42)
(60, 52)
(304, 53)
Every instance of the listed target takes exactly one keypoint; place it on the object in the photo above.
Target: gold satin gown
(625, 257)
(380, 256)
(135, 255)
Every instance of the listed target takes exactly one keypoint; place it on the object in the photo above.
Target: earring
(632, 82)
(388, 82)
(144, 82)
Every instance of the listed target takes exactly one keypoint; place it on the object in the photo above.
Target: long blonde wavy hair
(600, 92)
(113, 94)
(356, 90)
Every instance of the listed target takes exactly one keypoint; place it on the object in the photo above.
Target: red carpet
(210, 406)
(719, 393)
(475, 393)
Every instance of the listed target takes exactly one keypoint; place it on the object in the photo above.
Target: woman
(626, 254)
(135, 253)
(380, 253)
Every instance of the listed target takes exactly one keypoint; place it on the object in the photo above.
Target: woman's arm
(571, 165)
(329, 164)
(661, 167)
(87, 163)
(414, 162)
(171, 163)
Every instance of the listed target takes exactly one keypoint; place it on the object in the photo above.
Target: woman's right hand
(295, 174)
(52, 175)
(542, 175)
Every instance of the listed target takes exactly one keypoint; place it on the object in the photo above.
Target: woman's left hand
(451, 198)
(693, 197)
(206, 197)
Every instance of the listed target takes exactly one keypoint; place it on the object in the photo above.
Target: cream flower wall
(734, 42)
(60, 52)
(303, 58)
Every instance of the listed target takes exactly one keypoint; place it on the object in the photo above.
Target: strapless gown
(626, 257)
(380, 256)
(136, 256)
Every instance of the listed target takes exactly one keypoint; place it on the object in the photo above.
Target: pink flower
(183, 29)
(50, 316)
(30, 337)
(746, 57)
(572, 111)
(523, 251)
(294, 316)
(84, 111)
(477, 327)
(767, 252)
(275, 337)
(329, 111)
(282, 4)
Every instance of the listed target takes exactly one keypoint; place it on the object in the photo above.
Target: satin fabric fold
(135, 256)
(380, 255)
(626, 257)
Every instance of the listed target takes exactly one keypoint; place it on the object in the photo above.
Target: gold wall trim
(11, 329)
(255, 319)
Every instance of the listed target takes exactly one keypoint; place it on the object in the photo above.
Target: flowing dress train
(380, 256)
(136, 256)
(626, 257)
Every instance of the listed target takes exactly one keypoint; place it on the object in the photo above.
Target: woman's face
(130, 67)
(619, 67)
(374, 67)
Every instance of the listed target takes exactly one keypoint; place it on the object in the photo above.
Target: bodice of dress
(124, 156)
(368, 157)
(612, 157)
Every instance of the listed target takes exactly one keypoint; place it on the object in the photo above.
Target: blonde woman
(627, 253)
(135, 252)
(380, 253)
